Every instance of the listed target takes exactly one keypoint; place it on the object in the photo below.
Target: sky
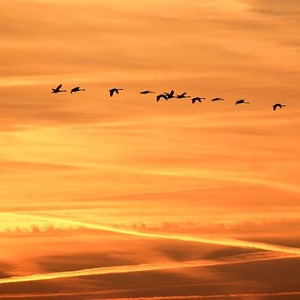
(125, 197)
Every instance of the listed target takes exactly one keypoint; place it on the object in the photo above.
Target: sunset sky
(125, 197)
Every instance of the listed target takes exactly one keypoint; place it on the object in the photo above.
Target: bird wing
(111, 92)
(161, 96)
(59, 86)
(75, 89)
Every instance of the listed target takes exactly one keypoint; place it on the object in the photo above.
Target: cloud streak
(295, 293)
(95, 77)
(59, 294)
(169, 236)
(238, 259)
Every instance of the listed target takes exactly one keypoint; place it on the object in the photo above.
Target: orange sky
(146, 199)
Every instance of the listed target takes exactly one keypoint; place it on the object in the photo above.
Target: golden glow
(130, 188)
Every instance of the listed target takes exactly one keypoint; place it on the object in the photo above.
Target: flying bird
(242, 101)
(58, 89)
(278, 105)
(197, 99)
(114, 90)
(170, 95)
(158, 97)
(76, 89)
(147, 92)
(181, 96)
(217, 99)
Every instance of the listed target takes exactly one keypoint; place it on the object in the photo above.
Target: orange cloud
(239, 259)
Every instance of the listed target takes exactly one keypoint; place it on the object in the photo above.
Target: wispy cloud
(170, 236)
(224, 296)
(239, 259)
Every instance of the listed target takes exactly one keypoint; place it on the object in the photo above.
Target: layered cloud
(140, 181)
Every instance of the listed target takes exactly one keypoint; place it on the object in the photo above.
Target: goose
(181, 96)
(170, 95)
(114, 90)
(161, 96)
(146, 92)
(217, 99)
(242, 101)
(278, 105)
(76, 89)
(58, 89)
(197, 99)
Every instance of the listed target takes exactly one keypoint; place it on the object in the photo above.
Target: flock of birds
(165, 95)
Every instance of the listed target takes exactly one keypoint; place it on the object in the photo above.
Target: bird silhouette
(242, 101)
(58, 89)
(170, 95)
(197, 99)
(114, 90)
(158, 97)
(278, 105)
(76, 89)
(217, 99)
(146, 92)
(183, 95)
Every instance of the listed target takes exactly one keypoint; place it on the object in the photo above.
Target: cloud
(251, 296)
(147, 267)
(166, 236)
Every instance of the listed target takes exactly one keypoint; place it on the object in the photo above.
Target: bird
(146, 92)
(197, 99)
(242, 101)
(170, 95)
(278, 105)
(217, 99)
(76, 89)
(114, 90)
(182, 96)
(58, 89)
(158, 97)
